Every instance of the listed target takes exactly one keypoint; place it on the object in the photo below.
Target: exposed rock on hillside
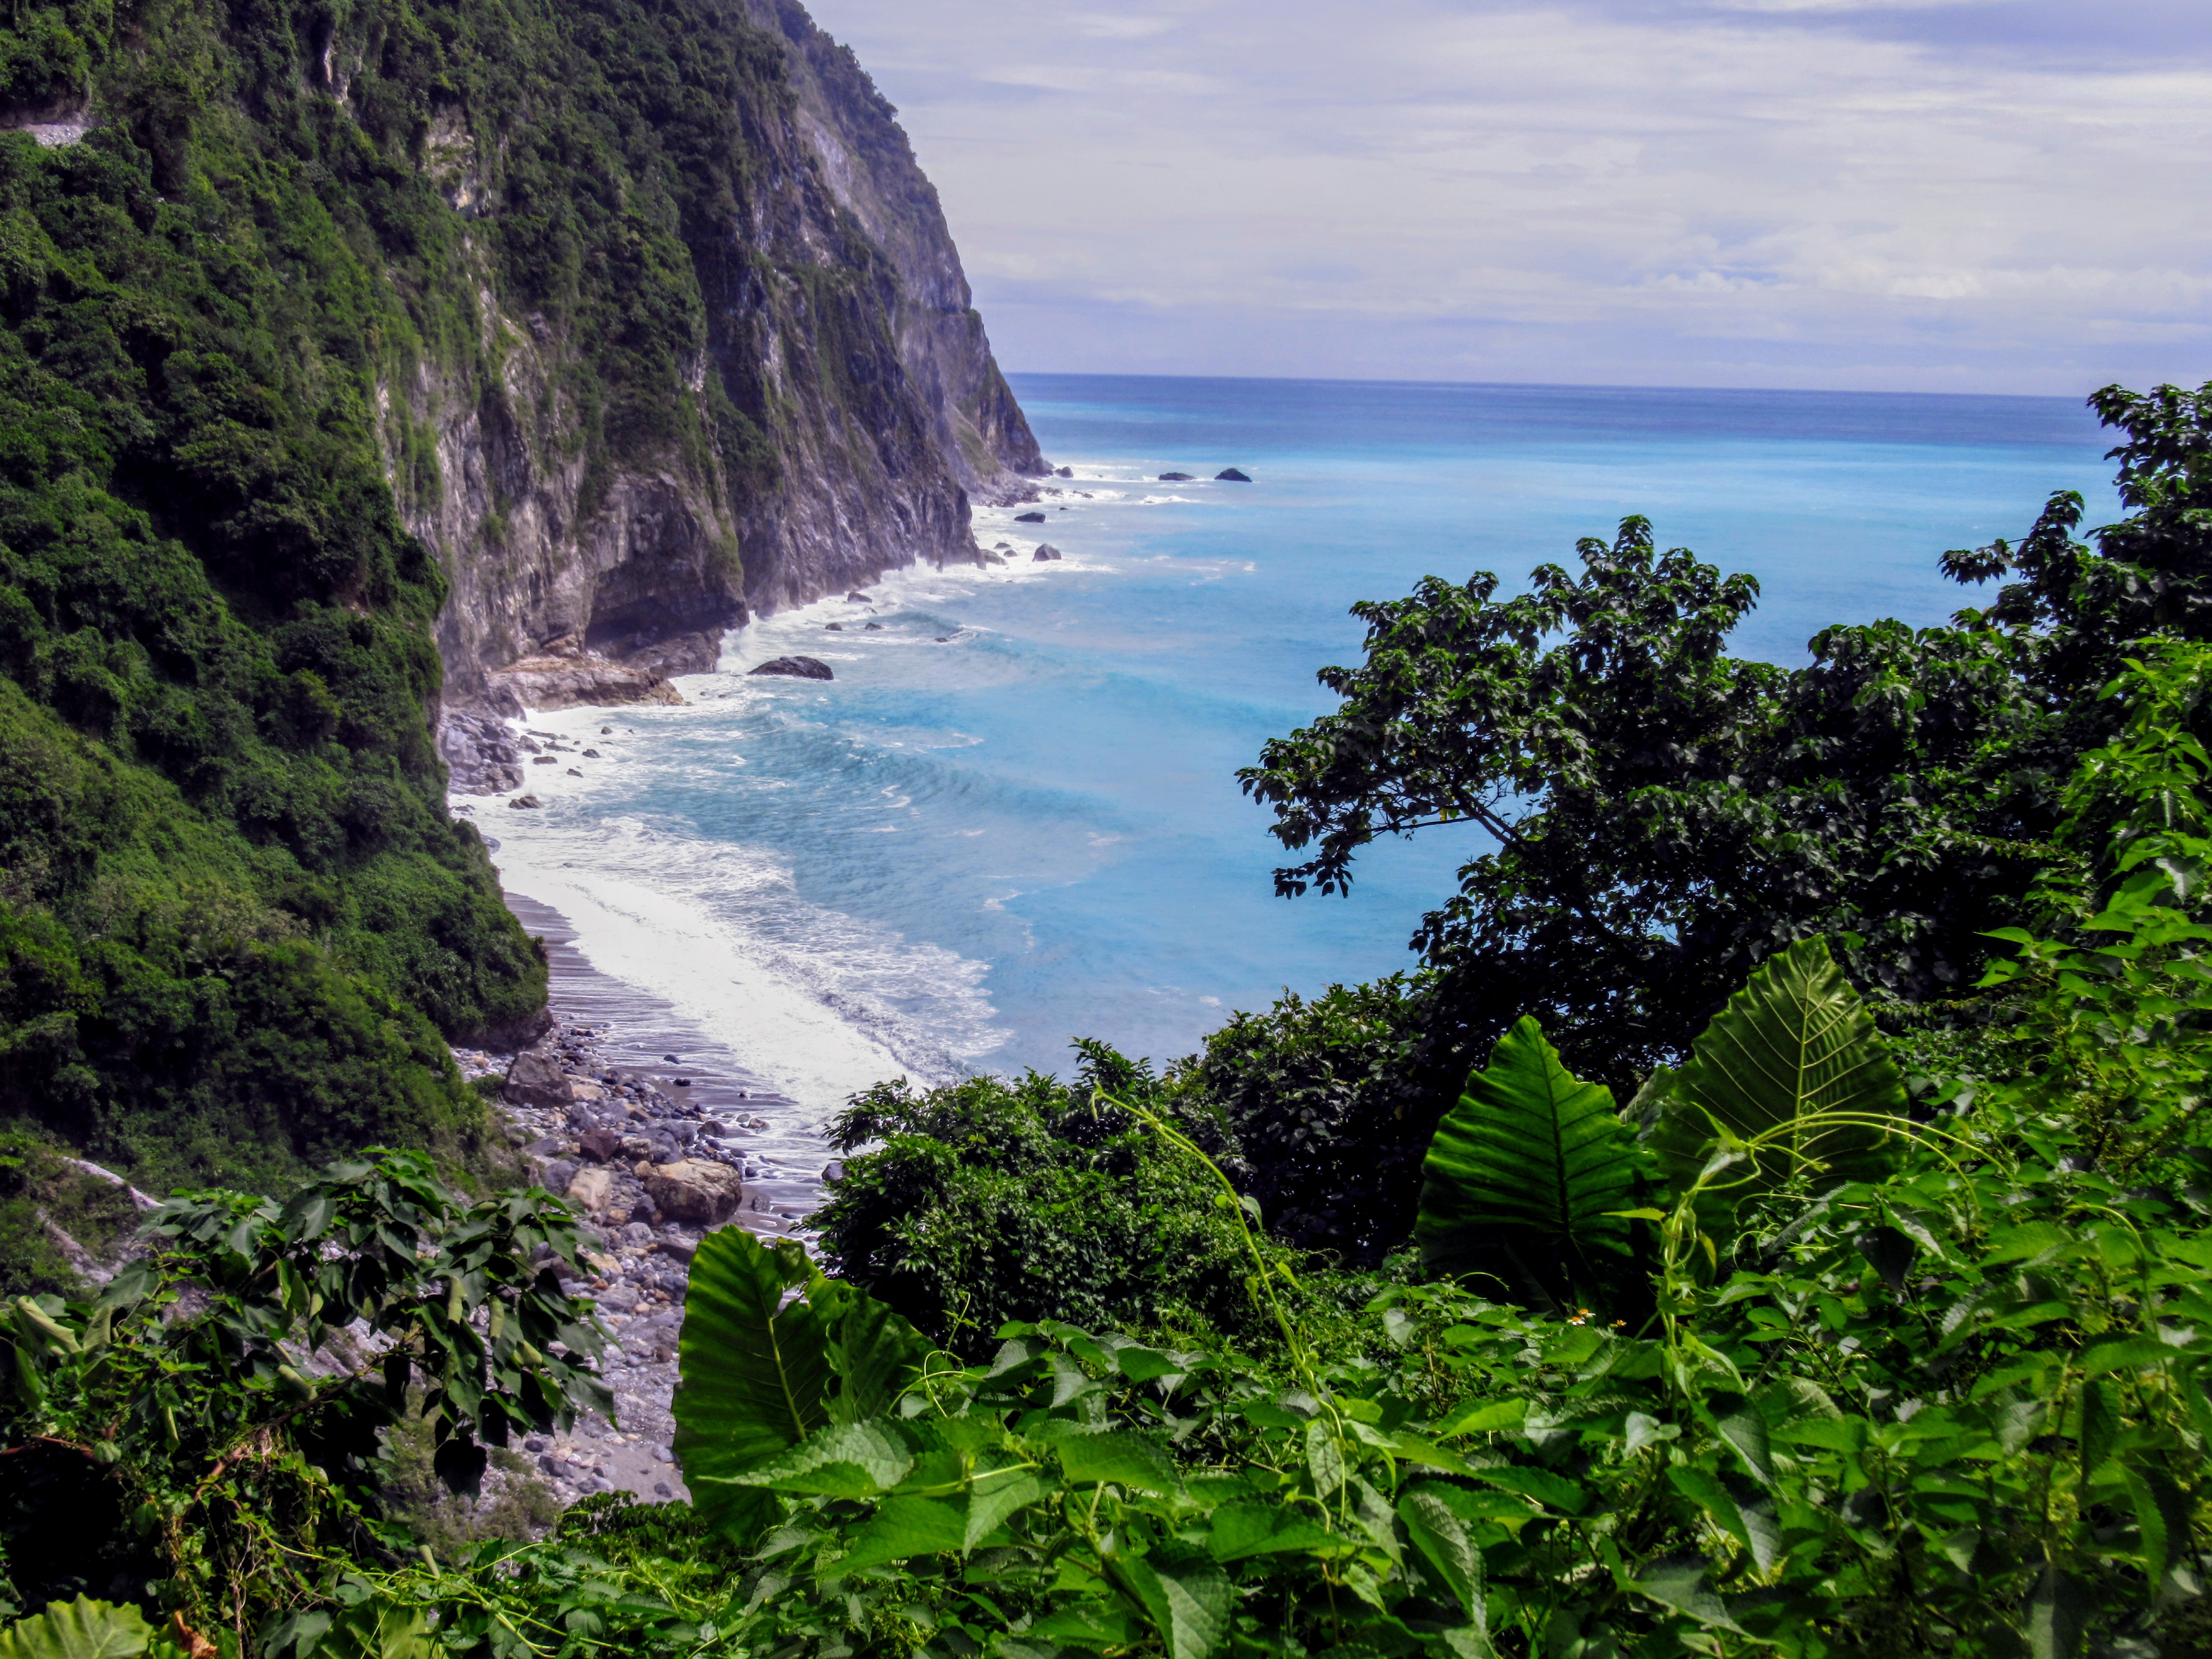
(840, 412)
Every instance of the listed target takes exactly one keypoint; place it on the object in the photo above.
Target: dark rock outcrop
(1230, 475)
(1028, 518)
(1045, 552)
(1175, 477)
(806, 668)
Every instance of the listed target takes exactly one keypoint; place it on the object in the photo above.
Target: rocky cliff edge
(840, 409)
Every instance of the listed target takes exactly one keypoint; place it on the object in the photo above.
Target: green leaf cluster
(212, 1422)
(989, 1201)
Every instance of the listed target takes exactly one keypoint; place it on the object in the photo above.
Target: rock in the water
(1175, 478)
(695, 1191)
(536, 1079)
(1064, 472)
(1028, 518)
(591, 1189)
(525, 801)
(857, 597)
(834, 628)
(1230, 475)
(1045, 550)
(833, 1172)
(872, 628)
(804, 668)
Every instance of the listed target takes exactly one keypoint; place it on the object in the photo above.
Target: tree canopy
(1660, 817)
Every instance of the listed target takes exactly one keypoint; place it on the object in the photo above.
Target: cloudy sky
(1934, 195)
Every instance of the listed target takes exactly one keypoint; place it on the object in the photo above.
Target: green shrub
(990, 1201)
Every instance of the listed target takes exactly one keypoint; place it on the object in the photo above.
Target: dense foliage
(234, 918)
(212, 1422)
(1659, 816)
(1803, 1351)
(990, 1201)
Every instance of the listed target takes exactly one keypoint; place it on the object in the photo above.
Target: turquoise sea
(1012, 819)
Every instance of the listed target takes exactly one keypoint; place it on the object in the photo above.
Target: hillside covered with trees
(1772, 1219)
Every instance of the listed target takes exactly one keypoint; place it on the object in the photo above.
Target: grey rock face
(1045, 552)
(864, 434)
(480, 752)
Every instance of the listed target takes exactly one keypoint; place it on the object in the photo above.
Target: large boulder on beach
(804, 668)
(695, 1191)
(536, 1079)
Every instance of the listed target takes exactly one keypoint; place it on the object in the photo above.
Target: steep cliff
(365, 361)
(834, 401)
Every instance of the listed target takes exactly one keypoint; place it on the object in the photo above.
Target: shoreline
(630, 1032)
(616, 1038)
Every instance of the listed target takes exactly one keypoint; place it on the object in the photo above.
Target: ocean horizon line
(1653, 388)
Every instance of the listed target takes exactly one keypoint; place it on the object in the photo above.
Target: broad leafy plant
(1532, 1175)
(227, 1390)
(1791, 1081)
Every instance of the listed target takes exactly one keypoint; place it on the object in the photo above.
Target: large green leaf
(762, 1369)
(873, 1352)
(1795, 1042)
(1531, 1166)
(1185, 1594)
(83, 1629)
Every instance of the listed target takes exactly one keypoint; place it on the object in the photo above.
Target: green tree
(1657, 817)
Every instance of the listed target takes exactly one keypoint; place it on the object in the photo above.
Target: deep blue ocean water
(1012, 819)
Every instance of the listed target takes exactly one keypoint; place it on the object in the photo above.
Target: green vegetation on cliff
(235, 923)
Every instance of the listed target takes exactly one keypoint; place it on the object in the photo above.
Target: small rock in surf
(1175, 478)
(525, 801)
(1028, 518)
(804, 668)
(1045, 550)
(1230, 475)
(834, 628)
(1064, 472)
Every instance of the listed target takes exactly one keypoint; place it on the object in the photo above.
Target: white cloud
(1871, 194)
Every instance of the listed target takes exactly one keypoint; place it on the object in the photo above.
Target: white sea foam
(814, 1003)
